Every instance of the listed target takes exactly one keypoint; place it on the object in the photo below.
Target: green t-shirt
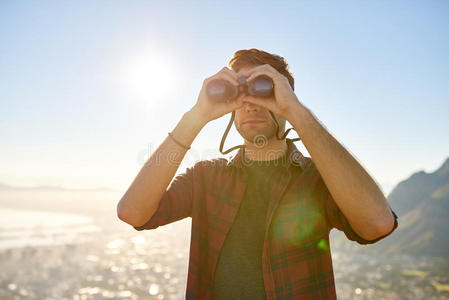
(239, 269)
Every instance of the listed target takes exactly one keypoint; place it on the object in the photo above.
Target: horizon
(4, 185)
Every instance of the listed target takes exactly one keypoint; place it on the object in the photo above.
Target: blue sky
(89, 88)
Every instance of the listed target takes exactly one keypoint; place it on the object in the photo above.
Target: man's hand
(206, 109)
(284, 99)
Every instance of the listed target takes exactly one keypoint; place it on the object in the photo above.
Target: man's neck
(273, 149)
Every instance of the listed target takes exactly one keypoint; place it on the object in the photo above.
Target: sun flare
(149, 75)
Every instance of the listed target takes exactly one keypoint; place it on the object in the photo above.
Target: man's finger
(261, 72)
(250, 71)
(232, 72)
(228, 77)
(266, 67)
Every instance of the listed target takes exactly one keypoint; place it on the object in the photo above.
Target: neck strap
(225, 134)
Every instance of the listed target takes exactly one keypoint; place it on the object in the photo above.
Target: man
(261, 221)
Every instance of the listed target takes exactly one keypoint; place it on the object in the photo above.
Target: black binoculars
(223, 90)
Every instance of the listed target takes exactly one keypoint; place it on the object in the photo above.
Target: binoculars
(223, 90)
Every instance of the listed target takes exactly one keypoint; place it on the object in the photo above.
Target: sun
(149, 76)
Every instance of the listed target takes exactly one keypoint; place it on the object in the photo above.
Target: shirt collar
(295, 157)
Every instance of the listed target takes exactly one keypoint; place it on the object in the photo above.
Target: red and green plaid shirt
(296, 257)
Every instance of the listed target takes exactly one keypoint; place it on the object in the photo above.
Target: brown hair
(255, 57)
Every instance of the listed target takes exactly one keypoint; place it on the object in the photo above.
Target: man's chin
(259, 138)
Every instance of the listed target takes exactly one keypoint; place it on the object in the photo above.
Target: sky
(89, 89)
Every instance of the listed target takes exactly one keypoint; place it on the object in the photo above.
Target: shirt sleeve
(336, 219)
(176, 202)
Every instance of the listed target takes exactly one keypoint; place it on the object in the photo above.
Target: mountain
(422, 204)
(410, 193)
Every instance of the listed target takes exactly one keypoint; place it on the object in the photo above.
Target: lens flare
(148, 76)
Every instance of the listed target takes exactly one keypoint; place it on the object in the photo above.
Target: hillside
(422, 204)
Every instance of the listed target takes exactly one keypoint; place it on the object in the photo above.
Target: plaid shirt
(296, 257)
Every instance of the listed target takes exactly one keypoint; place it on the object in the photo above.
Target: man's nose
(250, 107)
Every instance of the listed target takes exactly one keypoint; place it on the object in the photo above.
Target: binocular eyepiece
(222, 90)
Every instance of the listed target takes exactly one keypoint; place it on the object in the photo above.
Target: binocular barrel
(223, 90)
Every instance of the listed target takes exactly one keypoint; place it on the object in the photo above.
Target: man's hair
(253, 56)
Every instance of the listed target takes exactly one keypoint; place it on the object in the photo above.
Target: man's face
(254, 122)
